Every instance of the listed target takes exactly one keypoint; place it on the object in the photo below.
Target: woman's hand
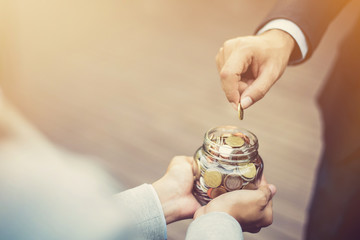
(175, 190)
(251, 208)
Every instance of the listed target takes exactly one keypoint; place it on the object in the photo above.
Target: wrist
(168, 199)
(280, 39)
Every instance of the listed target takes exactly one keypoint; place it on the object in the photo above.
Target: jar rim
(247, 151)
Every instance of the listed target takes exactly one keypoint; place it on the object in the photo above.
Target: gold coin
(251, 186)
(243, 136)
(241, 112)
(225, 135)
(212, 178)
(215, 192)
(202, 185)
(233, 182)
(234, 141)
(248, 171)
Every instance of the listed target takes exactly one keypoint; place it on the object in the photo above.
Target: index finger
(230, 75)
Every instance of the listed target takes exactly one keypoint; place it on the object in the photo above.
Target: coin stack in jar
(227, 161)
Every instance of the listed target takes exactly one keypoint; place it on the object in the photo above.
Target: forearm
(44, 196)
(144, 211)
(168, 201)
(214, 226)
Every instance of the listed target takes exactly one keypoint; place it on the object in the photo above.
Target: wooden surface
(134, 83)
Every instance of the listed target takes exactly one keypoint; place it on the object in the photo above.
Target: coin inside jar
(212, 178)
(233, 182)
(248, 171)
(243, 136)
(215, 192)
(227, 161)
(234, 141)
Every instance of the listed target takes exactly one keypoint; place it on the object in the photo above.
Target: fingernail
(234, 105)
(272, 189)
(246, 102)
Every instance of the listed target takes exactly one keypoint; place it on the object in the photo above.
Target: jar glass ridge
(228, 160)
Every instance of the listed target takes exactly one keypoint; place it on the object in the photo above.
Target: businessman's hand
(249, 66)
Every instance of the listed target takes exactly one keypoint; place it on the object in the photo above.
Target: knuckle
(227, 43)
(224, 74)
(229, 95)
(233, 42)
(261, 92)
(178, 158)
(263, 200)
(274, 75)
(217, 58)
(268, 220)
(274, 72)
(255, 230)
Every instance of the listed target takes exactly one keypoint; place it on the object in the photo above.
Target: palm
(180, 175)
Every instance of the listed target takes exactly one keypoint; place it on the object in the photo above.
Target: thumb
(258, 88)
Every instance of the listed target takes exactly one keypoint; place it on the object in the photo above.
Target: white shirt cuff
(292, 29)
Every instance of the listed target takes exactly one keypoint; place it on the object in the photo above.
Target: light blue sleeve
(51, 198)
(215, 226)
(144, 212)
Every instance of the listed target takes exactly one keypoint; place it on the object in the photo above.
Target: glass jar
(227, 161)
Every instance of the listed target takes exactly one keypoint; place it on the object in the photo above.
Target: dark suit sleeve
(312, 16)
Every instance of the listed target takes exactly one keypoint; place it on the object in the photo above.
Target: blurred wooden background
(134, 83)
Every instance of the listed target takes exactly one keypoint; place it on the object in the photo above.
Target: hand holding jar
(251, 208)
(227, 161)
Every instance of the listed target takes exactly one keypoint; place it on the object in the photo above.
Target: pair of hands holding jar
(248, 67)
(251, 208)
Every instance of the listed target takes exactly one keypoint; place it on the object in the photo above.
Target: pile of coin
(225, 163)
